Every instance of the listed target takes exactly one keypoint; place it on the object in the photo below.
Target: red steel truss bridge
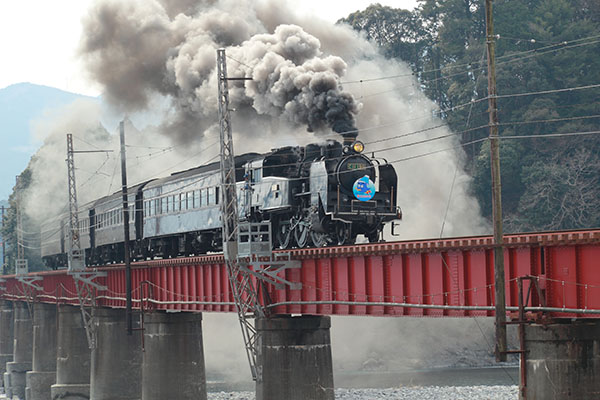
(555, 273)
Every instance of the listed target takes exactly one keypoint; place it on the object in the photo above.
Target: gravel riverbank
(408, 393)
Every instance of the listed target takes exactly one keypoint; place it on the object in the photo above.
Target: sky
(38, 38)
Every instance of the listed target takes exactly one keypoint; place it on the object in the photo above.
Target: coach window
(176, 202)
(217, 195)
(211, 195)
(203, 197)
(169, 204)
(164, 205)
(196, 198)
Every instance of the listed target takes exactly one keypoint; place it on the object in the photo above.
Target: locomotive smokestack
(349, 139)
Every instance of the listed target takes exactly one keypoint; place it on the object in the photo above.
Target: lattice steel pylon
(84, 280)
(244, 288)
(75, 256)
(20, 262)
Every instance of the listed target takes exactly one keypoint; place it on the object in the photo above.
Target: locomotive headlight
(358, 147)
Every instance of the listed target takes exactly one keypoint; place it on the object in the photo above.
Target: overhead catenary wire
(527, 54)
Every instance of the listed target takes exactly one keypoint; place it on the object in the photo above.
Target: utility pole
(496, 189)
(128, 314)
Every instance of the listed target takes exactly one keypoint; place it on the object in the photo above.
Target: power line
(565, 44)
(570, 89)
(550, 135)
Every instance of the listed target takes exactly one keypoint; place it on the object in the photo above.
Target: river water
(494, 383)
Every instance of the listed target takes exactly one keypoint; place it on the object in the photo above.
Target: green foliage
(546, 183)
(9, 229)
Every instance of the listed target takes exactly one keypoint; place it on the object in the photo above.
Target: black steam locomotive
(319, 194)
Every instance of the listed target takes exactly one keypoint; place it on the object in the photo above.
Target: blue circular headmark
(364, 188)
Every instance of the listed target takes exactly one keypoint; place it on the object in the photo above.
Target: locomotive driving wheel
(301, 234)
(284, 234)
(319, 239)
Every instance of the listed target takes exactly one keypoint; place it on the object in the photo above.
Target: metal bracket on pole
(87, 278)
(30, 281)
(268, 271)
(86, 292)
(22, 274)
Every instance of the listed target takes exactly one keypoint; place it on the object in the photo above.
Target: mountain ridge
(20, 104)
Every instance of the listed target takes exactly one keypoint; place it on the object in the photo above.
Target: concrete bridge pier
(43, 373)
(6, 337)
(295, 356)
(72, 357)
(563, 361)
(173, 363)
(22, 351)
(116, 372)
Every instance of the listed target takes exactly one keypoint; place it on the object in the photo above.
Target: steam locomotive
(319, 194)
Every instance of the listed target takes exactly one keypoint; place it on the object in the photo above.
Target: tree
(543, 45)
(562, 193)
(30, 230)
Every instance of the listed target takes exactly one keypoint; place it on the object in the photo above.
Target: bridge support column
(117, 359)
(563, 361)
(22, 352)
(6, 337)
(173, 366)
(295, 356)
(72, 357)
(43, 374)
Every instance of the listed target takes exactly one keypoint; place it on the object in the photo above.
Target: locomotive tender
(320, 194)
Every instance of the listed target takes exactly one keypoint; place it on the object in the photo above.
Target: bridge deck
(446, 277)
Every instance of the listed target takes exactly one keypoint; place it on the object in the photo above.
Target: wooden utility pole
(496, 189)
(128, 313)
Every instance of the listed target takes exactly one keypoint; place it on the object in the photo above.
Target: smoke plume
(138, 49)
